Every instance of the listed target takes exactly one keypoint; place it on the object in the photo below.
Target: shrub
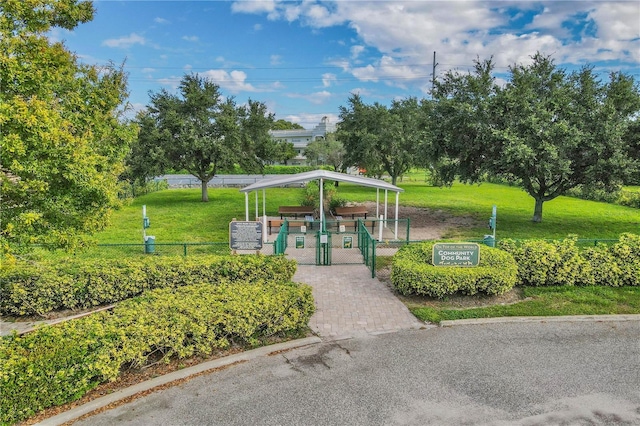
(57, 364)
(413, 272)
(542, 263)
(28, 289)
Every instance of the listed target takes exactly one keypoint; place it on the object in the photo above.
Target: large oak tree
(203, 132)
(546, 129)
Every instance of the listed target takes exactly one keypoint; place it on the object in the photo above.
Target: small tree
(326, 151)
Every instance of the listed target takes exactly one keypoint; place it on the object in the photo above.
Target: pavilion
(321, 175)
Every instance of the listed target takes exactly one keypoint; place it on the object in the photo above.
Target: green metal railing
(367, 245)
(280, 244)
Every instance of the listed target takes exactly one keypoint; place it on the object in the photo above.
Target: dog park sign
(456, 254)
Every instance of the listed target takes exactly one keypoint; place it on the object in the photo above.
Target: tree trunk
(205, 193)
(537, 212)
(394, 179)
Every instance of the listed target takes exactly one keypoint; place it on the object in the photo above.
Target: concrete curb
(76, 412)
(568, 318)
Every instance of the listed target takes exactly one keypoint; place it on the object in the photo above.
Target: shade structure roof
(320, 174)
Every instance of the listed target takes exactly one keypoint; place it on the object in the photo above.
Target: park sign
(245, 235)
(456, 254)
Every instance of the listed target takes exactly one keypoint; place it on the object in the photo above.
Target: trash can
(489, 241)
(149, 244)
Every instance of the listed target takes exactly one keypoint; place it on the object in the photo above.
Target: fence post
(185, 249)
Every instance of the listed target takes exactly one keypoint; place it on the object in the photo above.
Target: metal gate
(339, 243)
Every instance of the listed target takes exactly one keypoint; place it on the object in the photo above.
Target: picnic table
(295, 211)
(352, 211)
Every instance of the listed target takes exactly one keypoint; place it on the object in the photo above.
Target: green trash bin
(489, 241)
(149, 244)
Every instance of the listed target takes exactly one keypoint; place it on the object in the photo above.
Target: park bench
(308, 222)
(295, 211)
(352, 211)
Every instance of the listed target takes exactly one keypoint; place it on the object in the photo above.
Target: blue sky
(304, 58)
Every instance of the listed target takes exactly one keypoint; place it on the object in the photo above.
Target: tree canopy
(63, 137)
(203, 132)
(380, 139)
(285, 125)
(546, 129)
(326, 151)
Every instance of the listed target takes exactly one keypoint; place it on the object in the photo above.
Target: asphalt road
(493, 374)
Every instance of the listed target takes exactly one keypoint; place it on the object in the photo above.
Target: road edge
(540, 319)
(97, 403)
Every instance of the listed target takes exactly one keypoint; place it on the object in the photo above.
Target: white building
(300, 138)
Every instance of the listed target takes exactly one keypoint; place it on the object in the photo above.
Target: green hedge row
(543, 263)
(28, 289)
(57, 364)
(412, 272)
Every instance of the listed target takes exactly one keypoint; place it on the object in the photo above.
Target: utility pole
(433, 75)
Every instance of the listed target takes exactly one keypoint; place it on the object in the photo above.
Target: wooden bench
(295, 211)
(352, 211)
(271, 223)
(354, 223)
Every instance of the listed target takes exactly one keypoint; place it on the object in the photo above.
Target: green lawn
(545, 301)
(178, 215)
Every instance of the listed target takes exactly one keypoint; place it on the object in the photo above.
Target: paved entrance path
(350, 303)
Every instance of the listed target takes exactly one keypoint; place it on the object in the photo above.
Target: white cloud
(190, 38)
(125, 41)
(187, 67)
(407, 33)
(257, 27)
(275, 60)
(328, 79)
(619, 21)
(256, 7)
(356, 51)
(148, 70)
(316, 98)
(310, 120)
(159, 20)
(173, 81)
(234, 81)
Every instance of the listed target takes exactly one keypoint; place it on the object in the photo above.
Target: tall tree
(380, 139)
(204, 133)
(546, 129)
(63, 137)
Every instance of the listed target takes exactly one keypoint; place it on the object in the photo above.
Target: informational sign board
(245, 235)
(456, 254)
(299, 242)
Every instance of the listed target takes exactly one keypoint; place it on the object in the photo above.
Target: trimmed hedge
(57, 364)
(28, 289)
(412, 272)
(561, 262)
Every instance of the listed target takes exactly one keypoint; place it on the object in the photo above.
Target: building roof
(282, 180)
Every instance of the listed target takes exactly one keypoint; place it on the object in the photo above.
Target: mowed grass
(179, 215)
(561, 216)
(545, 301)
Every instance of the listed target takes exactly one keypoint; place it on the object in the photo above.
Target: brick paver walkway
(349, 302)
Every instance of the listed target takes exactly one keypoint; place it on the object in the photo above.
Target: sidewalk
(350, 303)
